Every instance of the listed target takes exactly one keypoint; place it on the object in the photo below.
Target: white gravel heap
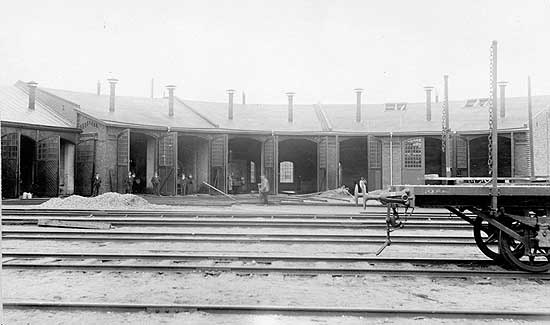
(107, 201)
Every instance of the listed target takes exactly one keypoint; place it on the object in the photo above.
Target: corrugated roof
(203, 115)
(260, 117)
(14, 105)
(413, 119)
(134, 110)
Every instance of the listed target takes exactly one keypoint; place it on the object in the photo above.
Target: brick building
(38, 145)
(300, 148)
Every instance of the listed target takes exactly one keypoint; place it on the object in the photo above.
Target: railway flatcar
(510, 221)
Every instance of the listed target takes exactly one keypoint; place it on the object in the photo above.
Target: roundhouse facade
(300, 148)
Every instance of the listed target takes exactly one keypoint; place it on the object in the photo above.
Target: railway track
(279, 310)
(288, 238)
(384, 269)
(229, 221)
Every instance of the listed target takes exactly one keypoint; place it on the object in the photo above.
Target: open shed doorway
(244, 165)
(27, 166)
(66, 167)
(353, 162)
(434, 157)
(479, 156)
(193, 163)
(297, 166)
(142, 161)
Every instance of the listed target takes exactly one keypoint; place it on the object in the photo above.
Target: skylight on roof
(483, 101)
(470, 102)
(396, 106)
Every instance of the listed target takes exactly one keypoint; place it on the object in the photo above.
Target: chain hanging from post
(491, 108)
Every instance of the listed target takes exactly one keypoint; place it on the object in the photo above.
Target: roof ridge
(196, 112)
(22, 86)
(325, 122)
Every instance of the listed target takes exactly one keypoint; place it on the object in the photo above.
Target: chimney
(170, 99)
(502, 86)
(230, 92)
(359, 92)
(32, 94)
(112, 83)
(290, 106)
(428, 102)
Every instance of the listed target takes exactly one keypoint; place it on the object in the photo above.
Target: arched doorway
(244, 164)
(353, 162)
(302, 153)
(193, 162)
(434, 157)
(142, 160)
(27, 166)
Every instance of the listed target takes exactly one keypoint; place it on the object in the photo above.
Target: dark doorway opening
(142, 161)
(27, 163)
(434, 157)
(193, 163)
(244, 165)
(479, 154)
(303, 156)
(353, 162)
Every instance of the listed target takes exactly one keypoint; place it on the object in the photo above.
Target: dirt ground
(369, 291)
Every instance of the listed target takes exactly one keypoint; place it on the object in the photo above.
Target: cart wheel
(533, 259)
(486, 237)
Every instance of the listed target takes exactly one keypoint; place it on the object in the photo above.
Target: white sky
(321, 50)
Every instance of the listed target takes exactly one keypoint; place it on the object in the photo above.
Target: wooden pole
(221, 192)
(447, 129)
(531, 141)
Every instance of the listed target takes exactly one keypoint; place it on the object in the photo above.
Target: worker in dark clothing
(156, 184)
(96, 184)
(130, 183)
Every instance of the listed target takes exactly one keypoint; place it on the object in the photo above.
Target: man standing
(156, 183)
(96, 184)
(363, 186)
(263, 188)
(130, 183)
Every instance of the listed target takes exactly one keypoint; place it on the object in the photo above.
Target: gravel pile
(108, 200)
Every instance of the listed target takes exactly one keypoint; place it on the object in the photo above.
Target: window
(286, 172)
(252, 172)
(375, 153)
(413, 153)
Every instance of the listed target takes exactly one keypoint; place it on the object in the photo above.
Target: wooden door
(413, 161)
(122, 159)
(10, 165)
(167, 162)
(85, 166)
(47, 166)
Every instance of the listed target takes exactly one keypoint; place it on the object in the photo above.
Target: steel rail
(78, 237)
(396, 272)
(279, 310)
(248, 257)
(233, 222)
(116, 232)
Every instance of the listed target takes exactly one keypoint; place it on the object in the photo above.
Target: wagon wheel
(486, 237)
(532, 259)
